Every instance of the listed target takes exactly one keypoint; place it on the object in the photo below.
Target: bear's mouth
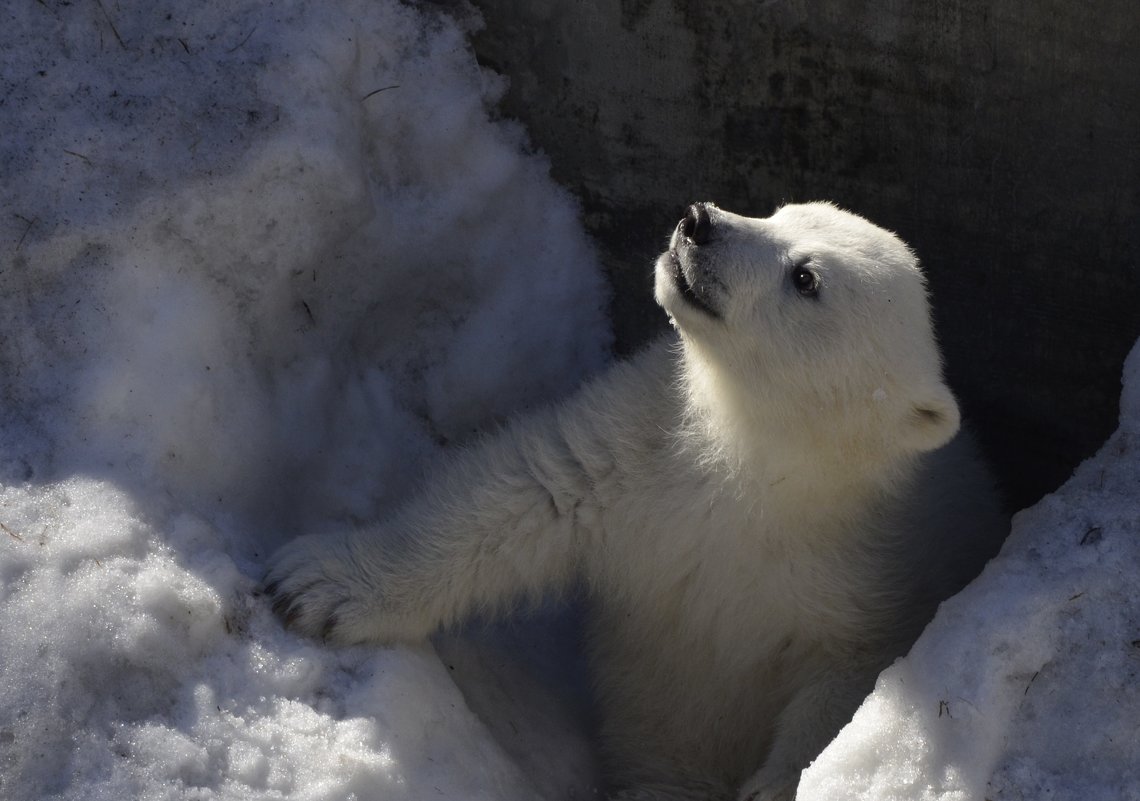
(691, 292)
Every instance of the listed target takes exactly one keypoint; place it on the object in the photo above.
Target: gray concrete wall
(1001, 139)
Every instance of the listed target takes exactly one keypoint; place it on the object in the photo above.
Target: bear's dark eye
(805, 281)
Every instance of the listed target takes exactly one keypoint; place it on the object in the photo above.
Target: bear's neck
(772, 436)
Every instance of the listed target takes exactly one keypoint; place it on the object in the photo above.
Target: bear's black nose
(696, 225)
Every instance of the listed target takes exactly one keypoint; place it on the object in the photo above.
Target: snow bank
(1025, 685)
(261, 262)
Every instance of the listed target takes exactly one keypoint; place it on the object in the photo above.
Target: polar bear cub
(761, 511)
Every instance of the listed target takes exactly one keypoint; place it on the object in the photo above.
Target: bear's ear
(932, 419)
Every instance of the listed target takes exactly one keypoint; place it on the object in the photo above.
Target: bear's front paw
(318, 589)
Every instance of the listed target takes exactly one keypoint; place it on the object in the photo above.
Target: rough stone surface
(1002, 140)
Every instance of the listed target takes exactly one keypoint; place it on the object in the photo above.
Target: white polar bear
(762, 513)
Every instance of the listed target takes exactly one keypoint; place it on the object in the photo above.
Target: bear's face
(812, 311)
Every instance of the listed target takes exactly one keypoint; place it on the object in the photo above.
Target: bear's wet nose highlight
(696, 224)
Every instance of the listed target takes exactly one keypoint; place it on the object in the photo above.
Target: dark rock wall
(1001, 139)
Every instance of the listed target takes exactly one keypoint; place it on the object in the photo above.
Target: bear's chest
(730, 569)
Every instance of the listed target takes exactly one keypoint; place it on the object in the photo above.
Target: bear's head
(813, 322)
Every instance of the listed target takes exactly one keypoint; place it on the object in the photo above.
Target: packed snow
(261, 264)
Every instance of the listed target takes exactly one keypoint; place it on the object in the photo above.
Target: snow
(1025, 685)
(262, 262)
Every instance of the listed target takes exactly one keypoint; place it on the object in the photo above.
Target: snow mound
(263, 261)
(1025, 685)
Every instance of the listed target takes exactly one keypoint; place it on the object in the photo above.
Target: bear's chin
(670, 269)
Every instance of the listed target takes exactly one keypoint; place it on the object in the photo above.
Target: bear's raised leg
(502, 523)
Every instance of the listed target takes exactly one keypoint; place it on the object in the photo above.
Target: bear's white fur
(763, 511)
